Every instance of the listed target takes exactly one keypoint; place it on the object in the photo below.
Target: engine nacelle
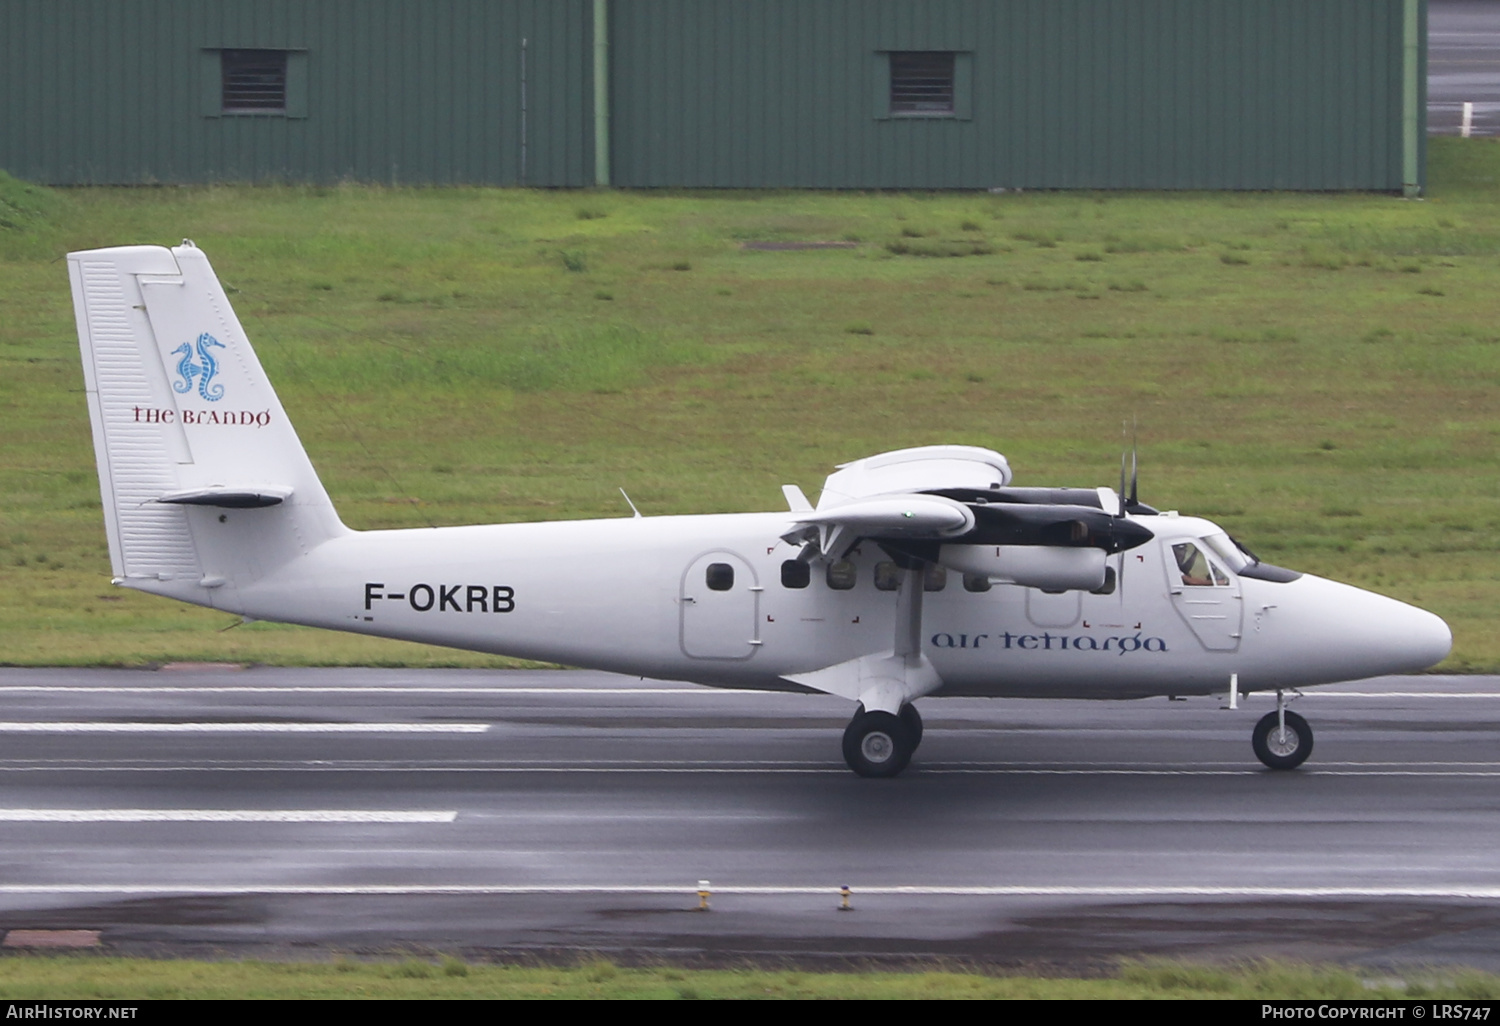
(1049, 567)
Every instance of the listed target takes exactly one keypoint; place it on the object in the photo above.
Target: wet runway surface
(554, 812)
(1463, 63)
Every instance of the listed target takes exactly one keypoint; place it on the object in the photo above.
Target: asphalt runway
(504, 814)
(1463, 63)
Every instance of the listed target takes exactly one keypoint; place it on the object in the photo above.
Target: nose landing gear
(1282, 739)
(878, 744)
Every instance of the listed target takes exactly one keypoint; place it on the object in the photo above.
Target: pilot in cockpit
(1195, 567)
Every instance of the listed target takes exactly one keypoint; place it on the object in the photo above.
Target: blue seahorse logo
(204, 372)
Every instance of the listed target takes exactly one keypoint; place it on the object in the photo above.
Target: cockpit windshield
(1230, 551)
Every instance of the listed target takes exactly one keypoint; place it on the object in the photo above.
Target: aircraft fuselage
(630, 595)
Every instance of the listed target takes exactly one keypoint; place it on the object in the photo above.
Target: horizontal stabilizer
(230, 498)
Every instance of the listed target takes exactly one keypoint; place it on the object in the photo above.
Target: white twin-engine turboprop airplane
(918, 572)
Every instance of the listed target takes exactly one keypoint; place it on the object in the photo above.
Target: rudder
(203, 478)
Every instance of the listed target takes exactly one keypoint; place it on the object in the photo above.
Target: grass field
(1319, 373)
(64, 978)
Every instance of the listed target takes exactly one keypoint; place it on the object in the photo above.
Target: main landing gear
(878, 744)
(1282, 739)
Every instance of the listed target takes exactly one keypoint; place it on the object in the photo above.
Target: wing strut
(908, 639)
(885, 681)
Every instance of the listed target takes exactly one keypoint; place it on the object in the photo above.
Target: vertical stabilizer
(204, 481)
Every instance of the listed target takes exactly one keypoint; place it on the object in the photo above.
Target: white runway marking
(221, 816)
(1401, 694)
(683, 689)
(108, 727)
(361, 689)
(1479, 891)
(332, 766)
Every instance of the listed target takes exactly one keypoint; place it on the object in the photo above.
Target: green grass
(476, 355)
(81, 978)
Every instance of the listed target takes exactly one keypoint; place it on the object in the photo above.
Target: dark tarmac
(1463, 63)
(556, 815)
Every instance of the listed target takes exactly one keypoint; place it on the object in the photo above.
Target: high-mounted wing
(951, 504)
(923, 469)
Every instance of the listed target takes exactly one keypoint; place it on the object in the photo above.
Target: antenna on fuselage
(1130, 497)
(630, 504)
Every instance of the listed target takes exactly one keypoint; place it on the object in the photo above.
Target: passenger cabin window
(1108, 587)
(1196, 568)
(795, 574)
(888, 577)
(935, 578)
(720, 576)
(976, 582)
(841, 575)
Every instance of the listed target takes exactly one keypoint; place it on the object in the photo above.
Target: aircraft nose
(1430, 638)
(1366, 634)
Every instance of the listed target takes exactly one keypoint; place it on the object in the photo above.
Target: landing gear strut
(1282, 739)
(877, 744)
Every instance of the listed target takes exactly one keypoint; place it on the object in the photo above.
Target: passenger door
(720, 607)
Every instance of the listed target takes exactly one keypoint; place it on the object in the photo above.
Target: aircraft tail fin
(203, 479)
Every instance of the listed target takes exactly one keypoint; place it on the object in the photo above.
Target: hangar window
(922, 83)
(268, 83)
(254, 81)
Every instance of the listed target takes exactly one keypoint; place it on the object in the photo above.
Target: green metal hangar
(836, 94)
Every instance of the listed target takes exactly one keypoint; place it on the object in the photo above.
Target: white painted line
(1249, 771)
(362, 689)
(330, 766)
(1481, 891)
(108, 727)
(221, 816)
(1401, 694)
(1313, 691)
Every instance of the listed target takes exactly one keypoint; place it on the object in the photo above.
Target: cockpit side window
(1196, 568)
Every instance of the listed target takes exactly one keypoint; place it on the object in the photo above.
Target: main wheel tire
(913, 722)
(1278, 751)
(877, 744)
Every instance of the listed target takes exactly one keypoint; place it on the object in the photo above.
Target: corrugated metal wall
(113, 91)
(1199, 94)
(1250, 94)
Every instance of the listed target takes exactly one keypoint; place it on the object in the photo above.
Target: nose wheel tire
(1278, 750)
(877, 744)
